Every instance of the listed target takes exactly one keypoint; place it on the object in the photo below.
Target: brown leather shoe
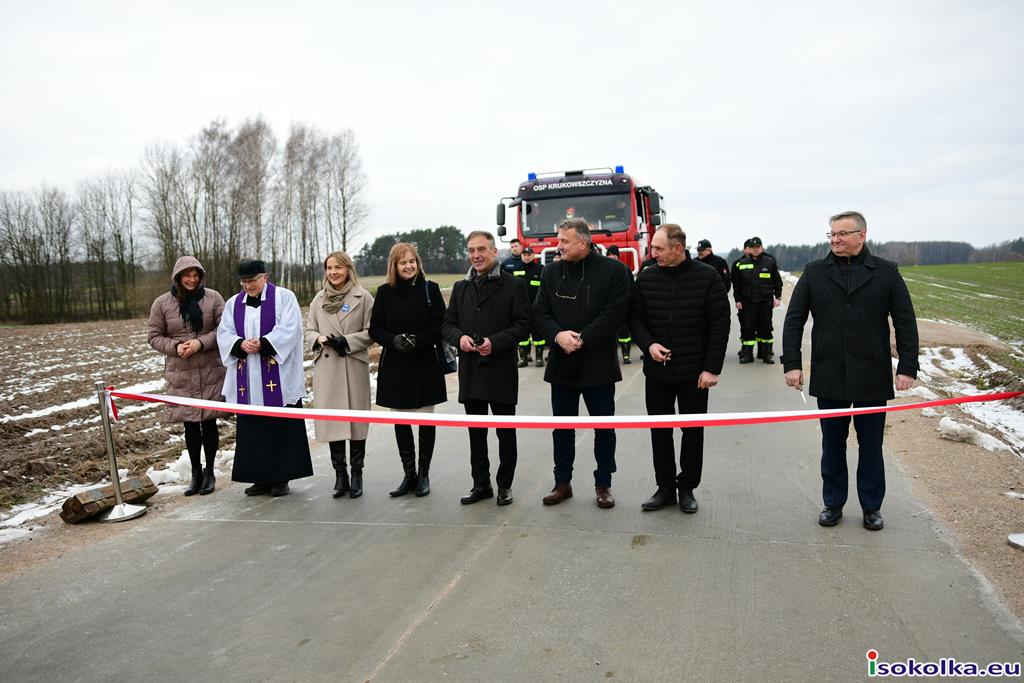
(605, 499)
(558, 494)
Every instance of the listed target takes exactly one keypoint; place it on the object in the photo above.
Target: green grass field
(982, 296)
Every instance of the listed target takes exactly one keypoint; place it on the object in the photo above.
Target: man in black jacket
(851, 294)
(679, 315)
(487, 315)
(582, 302)
(757, 288)
(707, 256)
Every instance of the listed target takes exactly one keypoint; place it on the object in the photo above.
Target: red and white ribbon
(553, 422)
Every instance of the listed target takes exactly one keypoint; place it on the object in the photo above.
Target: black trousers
(870, 468)
(507, 448)
(565, 401)
(662, 399)
(756, 322)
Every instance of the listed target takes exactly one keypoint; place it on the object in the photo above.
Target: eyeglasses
(583, 274)
(844, 233)
(252, 280)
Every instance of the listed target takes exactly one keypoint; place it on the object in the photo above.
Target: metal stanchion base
(122, 512)
(1016, 540)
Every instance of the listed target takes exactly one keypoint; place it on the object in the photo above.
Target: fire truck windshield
(602, 212)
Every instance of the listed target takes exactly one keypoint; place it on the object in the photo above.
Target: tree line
(226, 194)
(796, 257)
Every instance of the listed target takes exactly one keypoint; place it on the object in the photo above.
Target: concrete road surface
(306, 587)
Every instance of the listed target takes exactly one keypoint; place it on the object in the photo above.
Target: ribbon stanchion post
(121, 511)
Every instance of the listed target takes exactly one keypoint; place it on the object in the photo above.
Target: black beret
(251, 268)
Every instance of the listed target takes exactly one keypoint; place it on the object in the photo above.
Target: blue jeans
(870, 469)
(600, 400)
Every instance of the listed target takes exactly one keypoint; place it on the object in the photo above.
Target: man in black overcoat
(488, 313)
(851, 295)
(679, 315)
(582, 302)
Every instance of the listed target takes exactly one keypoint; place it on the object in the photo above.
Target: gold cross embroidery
(241, 363)
(241, 390)
(271, 385)
(271, 361)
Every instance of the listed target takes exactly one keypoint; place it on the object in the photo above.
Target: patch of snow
(83, 402)
(1015, 494)
(8, 535)
(788, 277)
(918, 390)
(954, 431)
(930, 412)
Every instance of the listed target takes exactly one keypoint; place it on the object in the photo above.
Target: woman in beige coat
(183, 326)
(336, 331)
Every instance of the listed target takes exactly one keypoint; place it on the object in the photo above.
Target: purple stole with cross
(270, 372)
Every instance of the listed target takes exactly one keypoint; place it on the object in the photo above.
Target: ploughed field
(50, 429)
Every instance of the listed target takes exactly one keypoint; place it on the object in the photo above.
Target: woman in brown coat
(337, 331)
(183, 326)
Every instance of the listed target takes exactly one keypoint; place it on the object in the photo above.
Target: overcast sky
(750, 118)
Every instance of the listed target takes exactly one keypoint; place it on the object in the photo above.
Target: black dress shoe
(873, 520)
(258, 490)
(687, 503)
(504, 496)
(477, 493)
(830, 516)
(279, 489)
(665, 495)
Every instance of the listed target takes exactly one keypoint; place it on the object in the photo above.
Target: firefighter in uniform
(757, 288)
(530, 269)
(625, 338)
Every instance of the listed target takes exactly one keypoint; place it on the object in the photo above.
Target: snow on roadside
(953, 370)
(955, 431)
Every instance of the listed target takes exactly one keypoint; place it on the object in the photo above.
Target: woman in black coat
(406, 322)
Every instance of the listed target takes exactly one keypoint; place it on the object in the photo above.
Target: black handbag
(447, 355)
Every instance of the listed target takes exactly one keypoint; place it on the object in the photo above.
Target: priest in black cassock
(260, 341)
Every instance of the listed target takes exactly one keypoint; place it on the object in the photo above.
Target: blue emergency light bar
(620, 169)
(531, 176)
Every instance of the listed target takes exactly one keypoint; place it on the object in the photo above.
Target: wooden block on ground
(86, 504)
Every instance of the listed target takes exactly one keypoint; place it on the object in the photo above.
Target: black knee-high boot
(428, 433)
(194, 445)
(211, 439)
(341, 483)
(358, 455)
(407, 453)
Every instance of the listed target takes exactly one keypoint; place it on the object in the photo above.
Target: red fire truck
(618, 211)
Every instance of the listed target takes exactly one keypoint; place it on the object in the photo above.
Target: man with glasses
(757, 288)
(582, 302)
(261, 342)
(851, 294)
(488, 313)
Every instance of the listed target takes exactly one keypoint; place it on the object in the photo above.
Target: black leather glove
(339, 344)
(404, 343)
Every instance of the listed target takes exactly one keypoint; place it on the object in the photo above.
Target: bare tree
(345, 189)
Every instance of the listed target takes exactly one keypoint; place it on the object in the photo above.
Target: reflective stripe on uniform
(748, 343)
(766, 341)
(535, 283)
(745, 266)
(519, 273)
(625, 340)
(766, 276)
